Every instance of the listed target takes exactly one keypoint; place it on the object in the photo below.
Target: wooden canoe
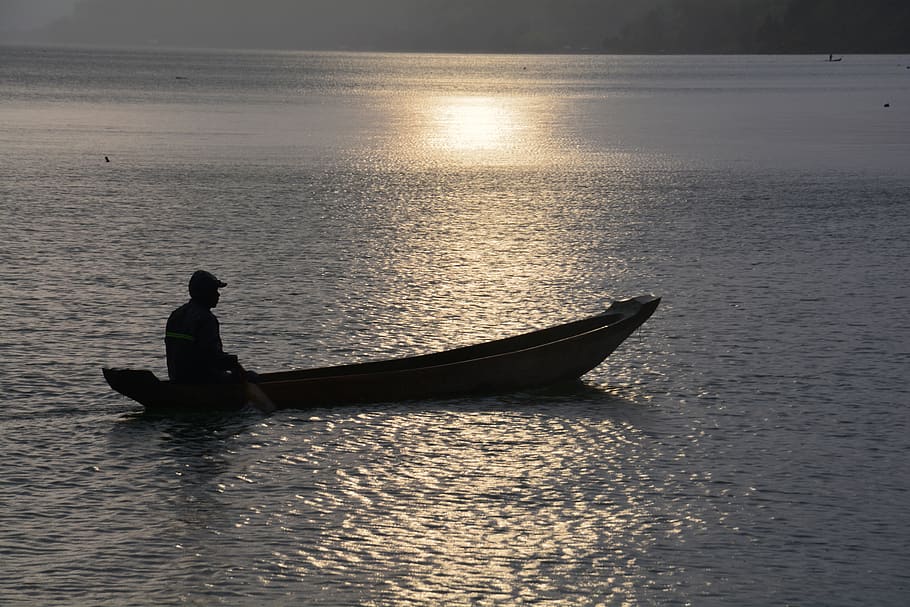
(533, 360)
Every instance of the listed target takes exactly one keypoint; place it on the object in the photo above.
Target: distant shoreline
(579, 52)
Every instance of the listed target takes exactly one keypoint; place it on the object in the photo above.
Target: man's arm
(210, 345)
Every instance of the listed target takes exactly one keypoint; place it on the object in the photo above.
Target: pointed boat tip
(648, 302)
(635, 304)
(644, 299)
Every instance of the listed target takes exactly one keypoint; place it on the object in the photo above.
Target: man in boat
(193, 338)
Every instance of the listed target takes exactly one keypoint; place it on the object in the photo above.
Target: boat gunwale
(623, 318)
(457, 354)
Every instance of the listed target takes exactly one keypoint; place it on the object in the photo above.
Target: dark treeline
(768, 26)
(617, 26)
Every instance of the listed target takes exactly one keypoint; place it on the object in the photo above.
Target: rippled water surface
(747, 446)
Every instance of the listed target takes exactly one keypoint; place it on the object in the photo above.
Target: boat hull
(528, 361)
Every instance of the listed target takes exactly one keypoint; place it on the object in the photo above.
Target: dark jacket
(194, 350)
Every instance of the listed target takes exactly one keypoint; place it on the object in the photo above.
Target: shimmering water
(747, 446)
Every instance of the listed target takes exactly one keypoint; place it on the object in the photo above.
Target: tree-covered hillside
(768, 26)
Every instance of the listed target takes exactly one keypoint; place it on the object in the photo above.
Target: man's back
(193, 343)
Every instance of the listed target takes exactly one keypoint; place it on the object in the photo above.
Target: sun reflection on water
(471, 124)
(482, 507)
(474, 130)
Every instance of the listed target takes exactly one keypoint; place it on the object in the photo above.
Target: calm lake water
(748, 446)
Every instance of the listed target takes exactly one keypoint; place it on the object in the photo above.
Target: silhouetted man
(193, 337)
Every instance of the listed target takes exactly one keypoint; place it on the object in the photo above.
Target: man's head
(204, 288)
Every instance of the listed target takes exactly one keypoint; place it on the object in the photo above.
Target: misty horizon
(648, 26)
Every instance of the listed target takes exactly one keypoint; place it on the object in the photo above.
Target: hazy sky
(32, 14)
(364, 24)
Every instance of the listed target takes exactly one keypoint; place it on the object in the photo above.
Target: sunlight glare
(472, 124)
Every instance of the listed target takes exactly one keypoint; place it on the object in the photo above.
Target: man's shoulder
(182, 308)
(193, 312)
(180, 312)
